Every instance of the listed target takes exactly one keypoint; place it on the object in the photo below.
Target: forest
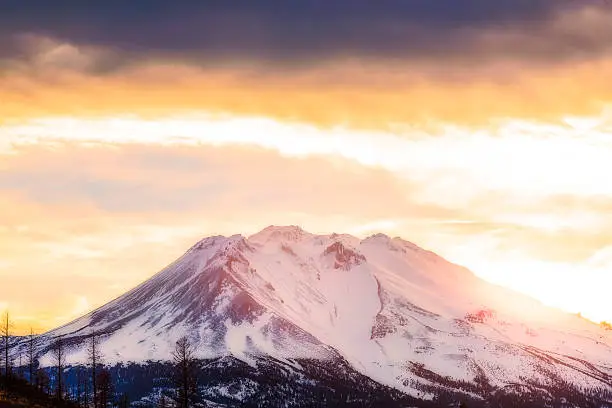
(186, 381)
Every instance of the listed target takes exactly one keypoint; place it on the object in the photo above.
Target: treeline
(91, 385)
(188, 382)
(529, 393)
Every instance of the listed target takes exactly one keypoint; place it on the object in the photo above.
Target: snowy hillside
(401, 315)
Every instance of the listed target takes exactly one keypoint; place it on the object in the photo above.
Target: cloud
(306, 31)
(398, 183)
(374, 94)
(133, 207)
(507, 158)
(356, 62)
(130, 209)
(37, 54)
(156, 179)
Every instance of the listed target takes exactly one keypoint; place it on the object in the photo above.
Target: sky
(129, 130)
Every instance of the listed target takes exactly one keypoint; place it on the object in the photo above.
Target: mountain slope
(401, 315)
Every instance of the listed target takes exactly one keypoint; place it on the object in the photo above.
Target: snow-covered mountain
(398, 314)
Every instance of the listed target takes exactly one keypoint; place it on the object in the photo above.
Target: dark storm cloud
(287, 31)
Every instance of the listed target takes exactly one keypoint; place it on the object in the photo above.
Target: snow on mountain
(397, 313)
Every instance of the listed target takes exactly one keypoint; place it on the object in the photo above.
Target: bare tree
(95, 358)
(185, 379)
(32, 363)
(59, 359)
(5, 331)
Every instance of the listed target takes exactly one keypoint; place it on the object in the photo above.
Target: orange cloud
(374, 94)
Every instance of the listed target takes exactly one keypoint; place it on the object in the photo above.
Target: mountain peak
(284, 233)
(394, 311)
(207, 242)
(378, 237)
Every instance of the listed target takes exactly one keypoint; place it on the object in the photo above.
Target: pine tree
(95, 358)
(185, 366)
(31, 355)
(59, 359)
(5, 331)
(105, 388)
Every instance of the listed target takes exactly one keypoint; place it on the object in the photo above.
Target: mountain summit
(396, 313)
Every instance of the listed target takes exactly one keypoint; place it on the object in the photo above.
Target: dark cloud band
(285, 31)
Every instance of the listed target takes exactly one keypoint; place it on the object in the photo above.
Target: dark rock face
(344, 258)
(480, 316)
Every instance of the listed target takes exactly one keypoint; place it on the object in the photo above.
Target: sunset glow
(114, 159)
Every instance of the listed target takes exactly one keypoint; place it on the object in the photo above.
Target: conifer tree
(95, 359)
(185, 366)
(5, 331)
(59, 359)
(31, 356)
(105, 388)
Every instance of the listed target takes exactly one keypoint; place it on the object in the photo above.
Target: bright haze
(479, 129)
